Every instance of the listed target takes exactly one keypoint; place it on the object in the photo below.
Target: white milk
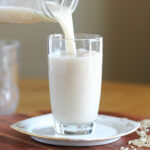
(17, 15)
(64, 17)
(75, 85)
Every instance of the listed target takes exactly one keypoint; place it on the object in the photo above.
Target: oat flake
(144, 138)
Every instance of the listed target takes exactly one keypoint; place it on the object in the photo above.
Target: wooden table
(116, 97)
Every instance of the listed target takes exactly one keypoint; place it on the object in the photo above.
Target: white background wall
(125, 25)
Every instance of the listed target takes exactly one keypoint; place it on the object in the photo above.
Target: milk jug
(32, 11)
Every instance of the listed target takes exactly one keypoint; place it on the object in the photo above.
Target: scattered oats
(145, 123)
(141, 133)
(140, 143)
(137, 142)
(132, 146)
(148, 138)
(124, 148)
(147, 130)
(129, 142)
(144, 138)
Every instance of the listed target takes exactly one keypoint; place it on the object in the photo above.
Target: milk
(64, 18)
(75, 85)
(17, 15)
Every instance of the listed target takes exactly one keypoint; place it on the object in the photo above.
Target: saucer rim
(74, 143)
(14, 126)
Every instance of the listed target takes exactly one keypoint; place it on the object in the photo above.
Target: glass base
(69, 129)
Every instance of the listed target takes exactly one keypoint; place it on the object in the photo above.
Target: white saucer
(107, 129)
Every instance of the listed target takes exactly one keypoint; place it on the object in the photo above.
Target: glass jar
(9, 92)
(32, 11)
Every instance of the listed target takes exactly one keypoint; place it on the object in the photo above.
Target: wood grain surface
(13, 140)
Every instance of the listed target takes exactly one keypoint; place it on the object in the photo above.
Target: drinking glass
(9, 94)
(75, 82)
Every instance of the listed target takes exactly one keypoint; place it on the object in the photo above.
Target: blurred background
(125, 25)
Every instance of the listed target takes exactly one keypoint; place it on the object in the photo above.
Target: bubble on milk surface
(80, 53)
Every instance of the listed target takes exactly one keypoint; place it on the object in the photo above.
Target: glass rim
(78, 37)
(9, 42)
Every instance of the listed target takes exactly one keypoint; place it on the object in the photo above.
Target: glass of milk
(75, 82)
